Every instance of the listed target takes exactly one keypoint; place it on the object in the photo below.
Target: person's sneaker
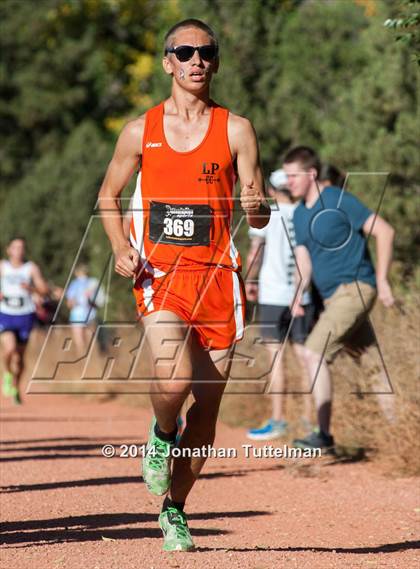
(157, 463)
(314, 440)
(7, 387)
(176, 534)
(270, 430)
(16, 396)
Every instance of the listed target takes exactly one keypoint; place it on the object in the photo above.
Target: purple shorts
(20, 324)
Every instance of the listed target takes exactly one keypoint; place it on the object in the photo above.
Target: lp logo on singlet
(209, 171)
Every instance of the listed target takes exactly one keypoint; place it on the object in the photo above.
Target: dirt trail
(65, 506)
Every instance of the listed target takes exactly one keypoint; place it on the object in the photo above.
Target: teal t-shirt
(332, 231)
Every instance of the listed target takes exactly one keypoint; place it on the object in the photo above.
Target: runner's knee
(9, 350)
(168, 389)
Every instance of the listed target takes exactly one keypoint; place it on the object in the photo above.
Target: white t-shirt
(276, 279)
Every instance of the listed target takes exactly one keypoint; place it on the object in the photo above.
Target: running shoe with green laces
(176, 534)
(157, 463)
(7, 387)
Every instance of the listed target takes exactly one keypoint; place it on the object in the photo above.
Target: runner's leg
(8, 347)
(171, 349)
(13, 363)
(18, 363)
(213, 369)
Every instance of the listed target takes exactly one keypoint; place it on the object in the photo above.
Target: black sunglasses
(185, 52)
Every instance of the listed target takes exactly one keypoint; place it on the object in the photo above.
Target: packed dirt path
(65, 506)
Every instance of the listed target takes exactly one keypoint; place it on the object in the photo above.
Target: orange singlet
(182, 213)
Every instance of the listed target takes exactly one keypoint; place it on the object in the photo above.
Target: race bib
(14, 301)
(180, 224)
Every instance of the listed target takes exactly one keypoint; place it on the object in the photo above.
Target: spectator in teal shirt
(331, 226)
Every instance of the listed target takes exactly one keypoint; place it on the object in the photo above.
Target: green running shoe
(8, 386)
(157, 463)
(16, 396)
(176, 534)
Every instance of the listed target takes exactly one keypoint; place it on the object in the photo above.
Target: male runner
(18, 280)
(331, 226)
(183, 259)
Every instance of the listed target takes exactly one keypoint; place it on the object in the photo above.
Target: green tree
(72, 72)
(407, 26)
(53, 203)
(67, 68)
(374, 129)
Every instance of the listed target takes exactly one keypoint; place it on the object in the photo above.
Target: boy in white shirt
(271, 260)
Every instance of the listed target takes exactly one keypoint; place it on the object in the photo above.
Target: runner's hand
(251, 290)
(297, 310)
(385, 293)
(251, 199)
(126, 261)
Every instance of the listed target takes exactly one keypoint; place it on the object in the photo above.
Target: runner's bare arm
(127, 219)
(244, 146)
(41, 285)
(253, 265)
(384, 235)
(255, 257)
(122, 166)
(303, 274)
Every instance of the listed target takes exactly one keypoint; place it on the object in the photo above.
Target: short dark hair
(306, 156)
(333, 174)
(190, 23)
(16, 238)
